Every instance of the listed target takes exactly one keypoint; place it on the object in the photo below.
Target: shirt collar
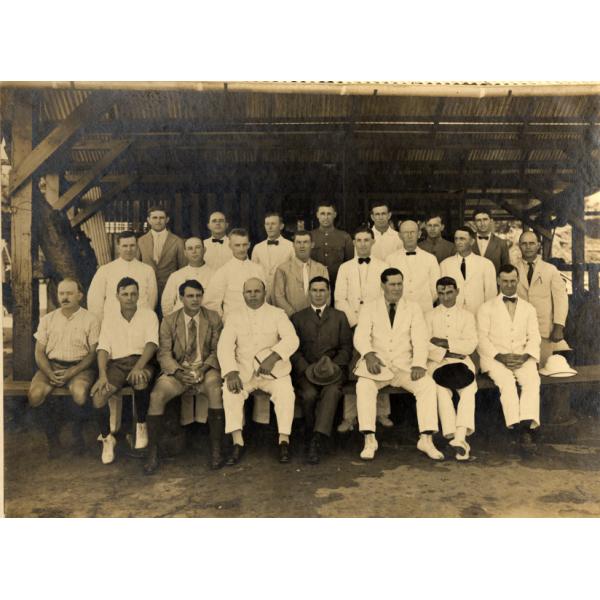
(73, 315)
(162, 233)
(321, 308)
(187, 318)
(299, 262)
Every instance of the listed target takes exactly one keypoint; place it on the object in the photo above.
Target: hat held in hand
(557, 366)
(454, 376)
(280, 369)
(385, 374)
(323, 372)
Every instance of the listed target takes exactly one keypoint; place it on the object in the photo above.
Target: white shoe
(462, 449)
(346, 426)
(141, 436)
(371, 446)
(108, 448)
(426, 445)
(385, 421)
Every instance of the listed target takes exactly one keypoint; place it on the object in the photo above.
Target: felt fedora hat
(360, 370)
(454, 376)
(323, 372)
(281, 368)
(557, 366)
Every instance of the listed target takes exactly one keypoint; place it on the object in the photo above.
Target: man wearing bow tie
(488, 244)
(420, 269)
(217, 247)
(509, 347)
(275, 250)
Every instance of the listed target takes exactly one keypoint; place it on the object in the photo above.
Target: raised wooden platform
(12, 389)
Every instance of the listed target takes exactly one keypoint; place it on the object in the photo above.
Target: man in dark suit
(161, 249)
(488, 244)
(321, 362)
(187, 355)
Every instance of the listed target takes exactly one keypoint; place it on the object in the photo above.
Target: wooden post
(578, 246)
(24, 318)
(593, 271)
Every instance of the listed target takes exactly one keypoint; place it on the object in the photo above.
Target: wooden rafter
(507, 206)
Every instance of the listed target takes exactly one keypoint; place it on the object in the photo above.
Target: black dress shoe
(527, 444)
(151, 464)
(235, 456)
(314, 452)
(216, 459)
(284, 453)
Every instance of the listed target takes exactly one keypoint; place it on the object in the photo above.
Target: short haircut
(326, 204)
(126, 282)
(508, 268)
(125, 235)
(217, 212)
(301, 232)
(390, 272)
(445, 281)
(193, 237)
(274, 213)
(240, 232)
(363, 230)
(434, 215)
(480, 210)
(190, 283)
(319, 279)
(157, 209)
(537, 237)
(373, 205)
(264, 287)
(73, 280)
(466, 230)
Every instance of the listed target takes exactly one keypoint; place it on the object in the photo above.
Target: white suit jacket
(498, 334)
(480, 285)
(270, 257)
(547, 293)
(402, 346)
(349, 296)
(420, 275)
(385, 243)
(248, 331)
(216, 255)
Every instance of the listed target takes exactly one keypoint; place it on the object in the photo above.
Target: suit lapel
(180, 331)
(491, 247)
(202, 328)
(168, 243)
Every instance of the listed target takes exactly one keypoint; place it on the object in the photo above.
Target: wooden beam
(546, 233)
(92, 107)
(89, 179)
(578, 247)
(119, 188)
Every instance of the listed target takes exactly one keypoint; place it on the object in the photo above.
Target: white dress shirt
(215, 254)
(170, 301)
(120, 337)
(158, 241)
(102, 295)
(270, 256)
(386, 243)
(483, 244)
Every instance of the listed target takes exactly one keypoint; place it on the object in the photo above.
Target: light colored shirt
(158, 242)
(215, 254)
(120, 337)
(270, 256)
(386, 243)
(170, 301)
(455, 324)
(102, 295)
(69, 339)
(483, 244)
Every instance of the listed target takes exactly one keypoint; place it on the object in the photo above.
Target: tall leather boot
(216, 430)
(155, 427)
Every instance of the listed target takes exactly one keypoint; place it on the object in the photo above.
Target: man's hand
(266, 366)
(512, 361)
(137, 376)
(66, 374)
(56, 377)
(557, 333)
(184, 377)
(101, 386)
(234, 383)
(417, 373)
(374, 363)
(441, 342)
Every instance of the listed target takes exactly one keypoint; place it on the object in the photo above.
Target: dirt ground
(562, 480)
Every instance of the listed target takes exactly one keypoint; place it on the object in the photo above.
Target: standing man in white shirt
(359, 282)
(275, 250)
(254, 352)
(541, 284)
(102, 293)
(509, 347)
(488, 244)
(453, 338)
(392, 334)
(386, 237)
(218, 251)
(127, 344)
(474, 274)
(420, 269)
(196, 269)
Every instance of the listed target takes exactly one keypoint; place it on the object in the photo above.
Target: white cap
(557, 366)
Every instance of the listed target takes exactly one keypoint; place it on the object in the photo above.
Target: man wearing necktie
(488, 244)
(509, 348)
(217, 250)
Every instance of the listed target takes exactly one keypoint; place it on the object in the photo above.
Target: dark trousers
(319, 404)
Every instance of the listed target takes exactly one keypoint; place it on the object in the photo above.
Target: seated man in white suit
(392, 335)
(474, 274)
(359, 282)
(453, 338)
(257, 329)
(509, 347)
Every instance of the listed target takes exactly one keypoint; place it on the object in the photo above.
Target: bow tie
(509, 299)
(411, 254)
(272, 242)
(483, 237)
(216, 241)
(364, 260)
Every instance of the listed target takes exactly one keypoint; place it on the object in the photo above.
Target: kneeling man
(391, 338)
(187, 354)
(321, 362)
(254, 351)
(453, 338)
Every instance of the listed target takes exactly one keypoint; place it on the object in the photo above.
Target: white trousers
(423, 390)
(282, 397)
(463, 415)
(350, 410)
(516, 409)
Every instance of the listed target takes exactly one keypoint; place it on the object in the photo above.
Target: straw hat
(360, 370)
(557, 366)
(281, 368)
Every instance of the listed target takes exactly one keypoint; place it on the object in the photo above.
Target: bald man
(217, 249)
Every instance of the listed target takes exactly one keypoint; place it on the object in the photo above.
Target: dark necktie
(508, 299)
(463, 268)
(392, 312)
(214, 241)
(530, 272)
(191, 346)
(364, 260)
(411, 254)
(318, 311)
(483, 237)
(272, 242)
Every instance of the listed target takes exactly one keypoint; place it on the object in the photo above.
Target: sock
(237, 437)
(426, 437)
(284, 438)
(141, 399)
(103, 418)
(461, 433)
